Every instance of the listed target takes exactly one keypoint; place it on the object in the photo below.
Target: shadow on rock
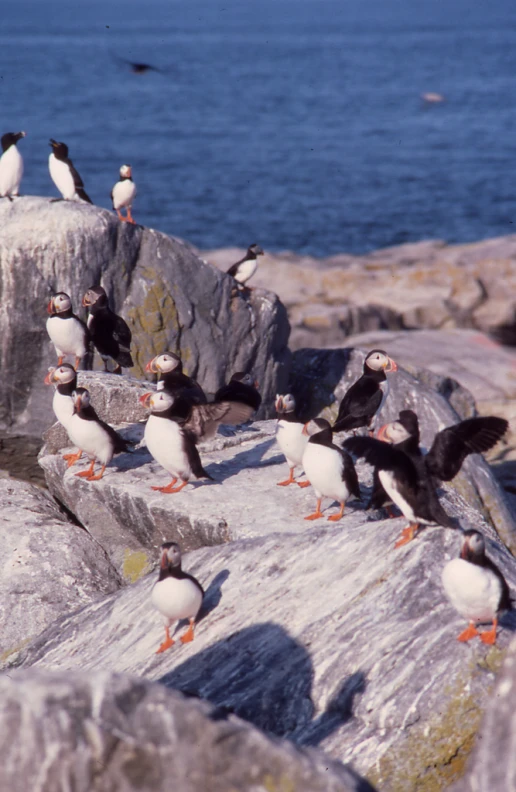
(265, 677)
(250, 458)
(213, 594)
(314, 378)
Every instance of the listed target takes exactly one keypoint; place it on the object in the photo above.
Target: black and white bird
(93, 436)
(177, 595)
(64, 175)
(171, 378)
(171, 445)
(366, 397)
(67, 332)
(11, 165)
(476, 588)
(64, 377)
(290, 437)
(123, 194)
(245, 268)
(109, 333)
(405, 482)
(329, 469)
(241, 388)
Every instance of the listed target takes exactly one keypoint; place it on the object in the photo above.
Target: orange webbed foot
(285, 483)
(71, 459)
(489, 637)
(98, 476)
(303, 484)
(407, 535)
(315, 516)
(167, 643)
(188, 635)
(469, 633)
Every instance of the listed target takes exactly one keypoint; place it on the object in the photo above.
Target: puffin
(366, 397)
(405, 481)
(123, 194)
(245, 268)
(110, 333)
(476, 588)
(290, 437)
(172, 379)
(450, 446)
(11, 164)
(95, 437)
(329, 469)
(64, 175)
(67, 332)
(64, 377)
(172, 445)
(176, 594)
(241, 388)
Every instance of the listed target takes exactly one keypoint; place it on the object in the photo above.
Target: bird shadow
(213, 594)
(264, 676)
(251, 458)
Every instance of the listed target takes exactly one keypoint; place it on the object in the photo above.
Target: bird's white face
(475, 542)
(393, 432)
(165, 363)
(160, 401)
(285, 403)
(59, 303)
(378, 361)
(62, 375)
(125, 171)
(170, 556)
(81, 399)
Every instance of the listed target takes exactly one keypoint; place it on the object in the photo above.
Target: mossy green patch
(281, 784)
(136, 565)
(13, 650)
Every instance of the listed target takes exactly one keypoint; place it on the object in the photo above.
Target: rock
(320, 378)
(169, 297)
(130, 520)
(324, 635)
(49, 565)
(103, 732)
(492, 765)
(426, 284)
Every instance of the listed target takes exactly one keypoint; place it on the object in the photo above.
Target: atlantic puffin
(176, 594)
(95, 437)
(366, 397)
(329, 469)
(64, 175)
(169, 368)
(110, 333)
(123, 194)
(67, 332)
(290, 437)
(476, 588)
(241, 388)
(64, 377)
(171, 445)
(11, 165)
(245, 268)
(405, 482)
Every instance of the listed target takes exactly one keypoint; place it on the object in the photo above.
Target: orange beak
(145, 399)
(78, 404)
(49, 378)
(85, 302)
(304, 430)
(50, 306)
(382, 432)
(164, 560)
(151, 366)
(392, 365)
(256, 384)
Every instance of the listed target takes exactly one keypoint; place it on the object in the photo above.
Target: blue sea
(295, 124)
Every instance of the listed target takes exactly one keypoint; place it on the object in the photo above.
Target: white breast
(63, 408)
(384, 387)
(165, 442)
(176, 599)
(323, 469)
(62, 178)
(11, 171)
(246, 270)
(67, 335)
(91, 438)
(291, 441)
(474, 591)
(390, 486)
(124, 193)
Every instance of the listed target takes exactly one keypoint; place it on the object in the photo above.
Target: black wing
(239, 392)
(378, 495)
(451, 446)
(120, 445)
(384, 457)
(350, 474)
(505, 600)
(122, 332)
(192, 453)
(79, 186)
(234, 267)
(360, 401)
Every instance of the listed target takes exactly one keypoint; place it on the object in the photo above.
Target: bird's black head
(408, 419)
(95, 296)
(60, 149)
(11, 139)
(245, 379)
(254, 250)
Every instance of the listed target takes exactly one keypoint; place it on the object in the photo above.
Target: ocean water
(295, 124)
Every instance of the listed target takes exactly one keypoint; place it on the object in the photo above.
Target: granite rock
(169, 297)
(99, 732)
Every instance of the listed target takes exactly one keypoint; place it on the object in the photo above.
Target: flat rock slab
(104, 732)
(48, 567)
(328, 637)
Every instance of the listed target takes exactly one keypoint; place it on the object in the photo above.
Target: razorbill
(366, 397)
(67, 332)
(123, 194)
(110, 333)
(64, 175)
(176, 594)
(476, 588)
(290, 437)
(11, 164)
